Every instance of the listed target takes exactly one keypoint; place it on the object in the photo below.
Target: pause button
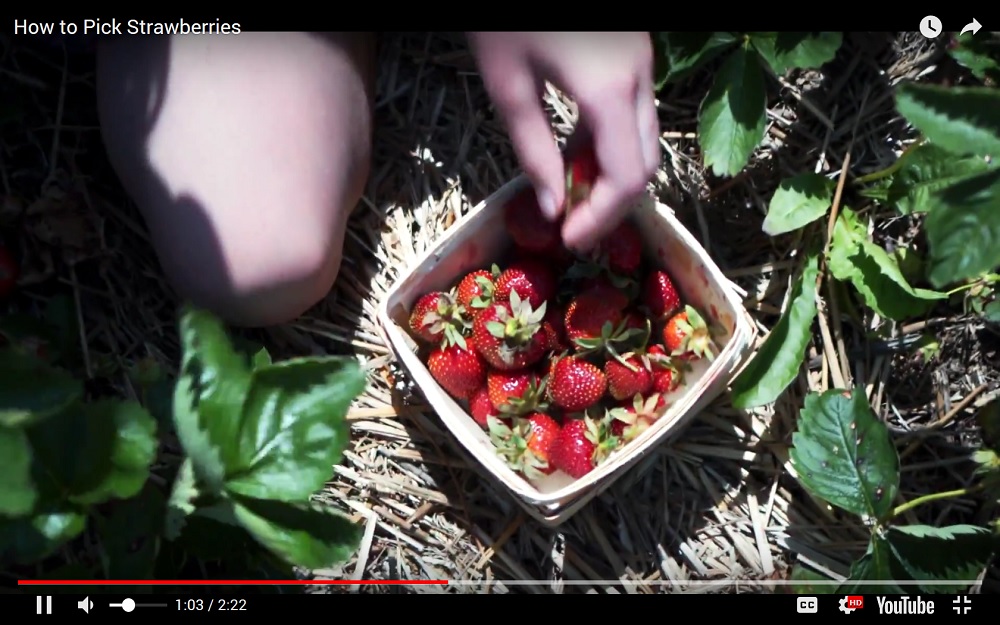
(43, 603)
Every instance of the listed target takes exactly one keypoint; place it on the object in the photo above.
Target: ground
(716, 504)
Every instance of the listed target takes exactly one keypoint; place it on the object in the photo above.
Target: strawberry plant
(733, 115)
(843, 455)
(226, 473)
(949, 176)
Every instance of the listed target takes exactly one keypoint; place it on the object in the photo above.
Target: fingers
(612, 118)
(520, 104)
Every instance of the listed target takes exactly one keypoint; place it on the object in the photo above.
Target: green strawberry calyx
(519, 326)
(697, 336)
(512, 446)
(531, 400)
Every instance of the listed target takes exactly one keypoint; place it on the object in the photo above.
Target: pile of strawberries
(555, 354)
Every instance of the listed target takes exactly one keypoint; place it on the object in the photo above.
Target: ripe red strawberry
(436, 314)
(576, 384)
(686, 336)
(8, 272)
(515, 392)
(591, 310)
(509, 335)
(526, 446)
(458, 368)
(481, 408)
(475, 290)
(573, 452)
(527, 226)
(595, 320)
(533, 280)
(660, 295)
(629, 378)
(621, 250)
(580, 175)
(667, 375)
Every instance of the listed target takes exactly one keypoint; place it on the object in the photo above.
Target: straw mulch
(716, 505)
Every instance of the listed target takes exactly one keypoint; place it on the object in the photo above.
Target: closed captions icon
(807, 605)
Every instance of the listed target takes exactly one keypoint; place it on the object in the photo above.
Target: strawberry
(436, 315)
(633, 418)
(686, 336)
(509, 335)
(576, 384)
(621, 250)
(482, 409)
(660, 295)
(527, 226)
(667, 375)
(527, 445)
(515, 392)
(8, 271)
(628, 377)
(595, 320)
(580, 175)
(533, 280)
(475, 290)
(457, 367)
(590, 311)
(574, 449)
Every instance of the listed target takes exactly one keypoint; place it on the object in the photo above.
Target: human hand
(610, 76)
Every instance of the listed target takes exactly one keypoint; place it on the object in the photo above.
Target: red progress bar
(230, 582)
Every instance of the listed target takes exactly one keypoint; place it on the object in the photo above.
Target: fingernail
(547, 202)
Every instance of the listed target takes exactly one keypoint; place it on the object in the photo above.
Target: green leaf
(732, 120)
(874, 272)
(991, 312)
(304, 534)
(261, 358)
(17, 489)
(927, 554)
(963, 229)
(130, 535)
(30, 539)
(293, 427)
(874, 566)
(780, 357)
(964, 120)
(94, 452)
(679, 54)
(798, 201)
(182, 500)
(784, 51)
(926, 169)
(31, 390)
(979, 54)
(209, 395)
(843, 455)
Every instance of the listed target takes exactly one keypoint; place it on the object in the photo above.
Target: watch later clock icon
(930, 26)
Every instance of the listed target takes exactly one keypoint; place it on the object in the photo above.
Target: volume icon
(85, 604)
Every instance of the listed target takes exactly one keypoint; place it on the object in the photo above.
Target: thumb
(529, 129)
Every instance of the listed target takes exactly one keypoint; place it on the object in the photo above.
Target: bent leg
(246, 155)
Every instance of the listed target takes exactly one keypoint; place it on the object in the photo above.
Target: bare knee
(245, 156)
(272, 281)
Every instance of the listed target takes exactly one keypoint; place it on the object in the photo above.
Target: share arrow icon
(972, 27)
